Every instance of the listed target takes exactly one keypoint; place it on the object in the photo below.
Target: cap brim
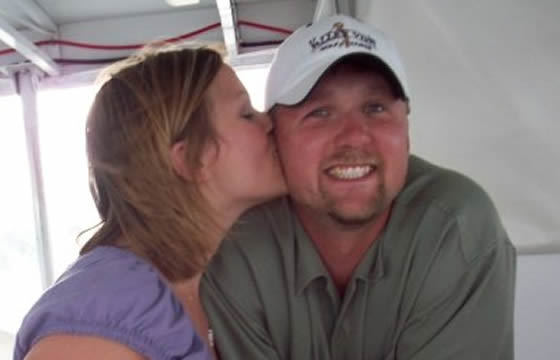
(299, 88)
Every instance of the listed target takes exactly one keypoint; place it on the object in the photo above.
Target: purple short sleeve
(111, 293)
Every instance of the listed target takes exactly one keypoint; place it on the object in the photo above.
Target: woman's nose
(267, 123)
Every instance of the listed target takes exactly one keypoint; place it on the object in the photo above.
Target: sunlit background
(19, 269)
(70, 209)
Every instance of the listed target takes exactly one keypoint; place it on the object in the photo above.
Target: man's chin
(357, 216)
(354, 219)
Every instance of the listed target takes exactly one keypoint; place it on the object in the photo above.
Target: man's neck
(340, 246)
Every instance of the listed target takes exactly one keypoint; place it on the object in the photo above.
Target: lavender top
(114, 294)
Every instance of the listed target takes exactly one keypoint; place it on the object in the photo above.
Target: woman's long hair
(151, 101)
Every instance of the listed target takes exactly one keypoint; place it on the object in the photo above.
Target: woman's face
(244, 170)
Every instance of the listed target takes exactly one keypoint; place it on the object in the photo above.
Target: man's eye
(374, 108)
(319, 113)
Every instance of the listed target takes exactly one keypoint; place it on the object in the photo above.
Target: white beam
(11, 37)
(226, 9)
(37, 14)
(27, 23)
(263, 57)
(27, 81)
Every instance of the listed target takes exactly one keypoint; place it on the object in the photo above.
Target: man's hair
(368, 63)
(151, 101)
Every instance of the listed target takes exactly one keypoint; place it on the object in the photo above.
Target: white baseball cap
(308, 52)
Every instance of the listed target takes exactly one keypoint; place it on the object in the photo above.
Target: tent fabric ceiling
(484, 80)
(71, 11)
(105, 24)
(485, 100)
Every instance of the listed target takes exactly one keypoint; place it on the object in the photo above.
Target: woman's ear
(178, 157)
(178, 154)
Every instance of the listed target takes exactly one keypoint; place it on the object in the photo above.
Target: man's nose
(353, 130)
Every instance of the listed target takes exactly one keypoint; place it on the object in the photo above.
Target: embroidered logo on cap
(339, 36)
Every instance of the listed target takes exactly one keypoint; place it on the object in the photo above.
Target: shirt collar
(371, 266)
(309, 265)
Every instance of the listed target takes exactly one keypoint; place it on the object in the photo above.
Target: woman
(176, 154)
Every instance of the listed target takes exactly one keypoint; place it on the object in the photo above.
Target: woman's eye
(249, 116)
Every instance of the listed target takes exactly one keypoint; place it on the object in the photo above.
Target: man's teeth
(350, 172)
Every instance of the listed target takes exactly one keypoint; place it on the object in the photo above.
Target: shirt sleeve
(233, 308)
(465, 308)
(112, 294)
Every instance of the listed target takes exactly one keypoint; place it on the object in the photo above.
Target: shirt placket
(344, 345)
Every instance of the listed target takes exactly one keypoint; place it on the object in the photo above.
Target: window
(19, 265)
(70, 207)
(254, 80)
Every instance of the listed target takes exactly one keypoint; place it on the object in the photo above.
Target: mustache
(353, 156)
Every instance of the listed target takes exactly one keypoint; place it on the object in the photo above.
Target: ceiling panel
(69, 11)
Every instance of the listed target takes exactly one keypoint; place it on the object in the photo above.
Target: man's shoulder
(255, 244)
(248, 268)
(448, 189)
(458, 198)
(259, 228)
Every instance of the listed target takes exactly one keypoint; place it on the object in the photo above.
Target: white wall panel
(537, 307)
(485, 86)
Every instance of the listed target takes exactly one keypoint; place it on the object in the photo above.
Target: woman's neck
(187, 291)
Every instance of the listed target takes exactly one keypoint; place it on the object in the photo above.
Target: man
(376, 253)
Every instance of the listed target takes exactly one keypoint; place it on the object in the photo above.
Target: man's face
(345, 148)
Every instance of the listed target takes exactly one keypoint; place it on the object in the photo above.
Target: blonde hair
(151, 101)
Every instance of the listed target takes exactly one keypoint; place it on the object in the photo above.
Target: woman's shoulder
(110, 277)
(112, 293)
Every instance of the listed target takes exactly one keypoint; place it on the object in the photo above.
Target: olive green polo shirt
(437, 284)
